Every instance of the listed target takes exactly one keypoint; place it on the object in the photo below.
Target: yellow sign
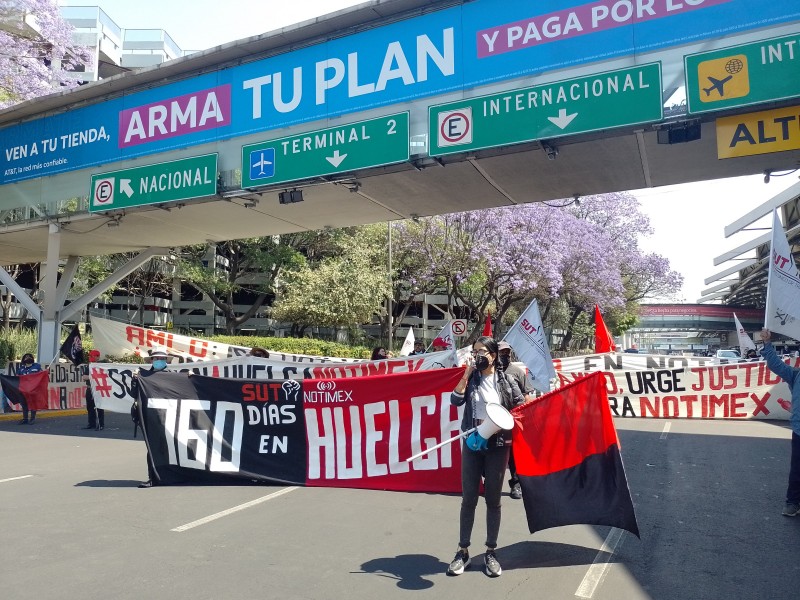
(723, 78)
(759, 133)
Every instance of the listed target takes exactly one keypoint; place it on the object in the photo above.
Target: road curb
(45, 414)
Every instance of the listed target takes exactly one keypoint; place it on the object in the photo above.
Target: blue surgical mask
(159, 365)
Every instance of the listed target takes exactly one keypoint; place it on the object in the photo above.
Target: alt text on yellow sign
(759, 133)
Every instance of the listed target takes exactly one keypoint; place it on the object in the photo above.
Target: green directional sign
(181, 179)
(743, 75)
(360, 145)
(601, 101)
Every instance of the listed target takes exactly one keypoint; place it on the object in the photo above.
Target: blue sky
(688, 219)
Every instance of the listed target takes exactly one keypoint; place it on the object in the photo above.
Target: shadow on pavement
(410, 570)
(110, 483)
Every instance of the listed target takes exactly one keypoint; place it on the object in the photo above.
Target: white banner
(111, 382)
(527, 339)
(118, 339)
(783, 286)
(623, 360)
(737, 391)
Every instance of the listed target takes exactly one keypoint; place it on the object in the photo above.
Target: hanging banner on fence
(746, 390)
(118, 339)
(353, 432)
(111, 382)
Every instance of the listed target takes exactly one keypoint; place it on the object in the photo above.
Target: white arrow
(336, 159)
(563, 119)
(125, 187)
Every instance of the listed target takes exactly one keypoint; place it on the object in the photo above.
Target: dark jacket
(507, 389)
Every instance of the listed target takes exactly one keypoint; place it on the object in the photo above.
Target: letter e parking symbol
(455, 127)
(104, 191)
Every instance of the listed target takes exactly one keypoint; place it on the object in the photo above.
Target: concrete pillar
(49, 330)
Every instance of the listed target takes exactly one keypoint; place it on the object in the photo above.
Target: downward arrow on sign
(336, 159)
(563, 119)
(125, 187)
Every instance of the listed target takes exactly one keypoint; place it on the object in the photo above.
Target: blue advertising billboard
(455, 48)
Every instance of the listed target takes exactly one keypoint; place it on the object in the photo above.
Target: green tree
(345, 290)
(228, 269)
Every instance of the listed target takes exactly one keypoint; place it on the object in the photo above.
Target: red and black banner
(355, 432)
(568, 459)
(30, 389)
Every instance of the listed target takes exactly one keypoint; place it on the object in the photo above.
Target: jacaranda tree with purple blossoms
(566, 257)
(34, 42)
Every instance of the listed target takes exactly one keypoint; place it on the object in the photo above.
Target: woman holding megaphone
(483, 390)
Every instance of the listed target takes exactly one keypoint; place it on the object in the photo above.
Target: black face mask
(481, 362)
(504, 360)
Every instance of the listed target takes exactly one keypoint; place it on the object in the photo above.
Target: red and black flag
(568, 460)
(27, 388)
(72, 347)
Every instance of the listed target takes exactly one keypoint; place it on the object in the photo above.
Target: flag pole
(440, 444)
(769, 265)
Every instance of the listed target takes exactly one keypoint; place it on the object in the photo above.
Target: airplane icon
(262, 163)
(717, 84)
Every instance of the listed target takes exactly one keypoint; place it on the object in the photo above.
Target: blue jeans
(793, 491)
(491, 464)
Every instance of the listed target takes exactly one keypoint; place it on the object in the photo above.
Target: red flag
(487, 326)
(27, 388)
(603, 342)
(568, 461)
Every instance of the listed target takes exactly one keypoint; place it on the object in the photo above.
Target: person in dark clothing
(419, 348)
(97, 416)
(379, 353)
(483, 383)
(518, 375)
(158, 362)
(28, 365)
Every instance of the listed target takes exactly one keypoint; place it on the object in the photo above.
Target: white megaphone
(497, 418)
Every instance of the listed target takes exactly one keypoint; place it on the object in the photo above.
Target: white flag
(745, 343)
(783, 286)
(446, 334)
(408, 345)
(527, 339)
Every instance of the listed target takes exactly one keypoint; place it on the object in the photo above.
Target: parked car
(726, 357)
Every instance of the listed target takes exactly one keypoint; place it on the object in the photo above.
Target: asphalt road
(708, 497)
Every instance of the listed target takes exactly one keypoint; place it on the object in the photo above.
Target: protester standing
(158, 362)
(378, 353)
(28, 365)
(483, 383)
(518, 375)
(96, 415)
(419, 348)
(792, 377)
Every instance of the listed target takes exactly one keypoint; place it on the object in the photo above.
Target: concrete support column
(49, 330)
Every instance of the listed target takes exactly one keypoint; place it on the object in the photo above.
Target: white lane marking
(667, 427)
(229, 511)
(597, 572)
(15, 478)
